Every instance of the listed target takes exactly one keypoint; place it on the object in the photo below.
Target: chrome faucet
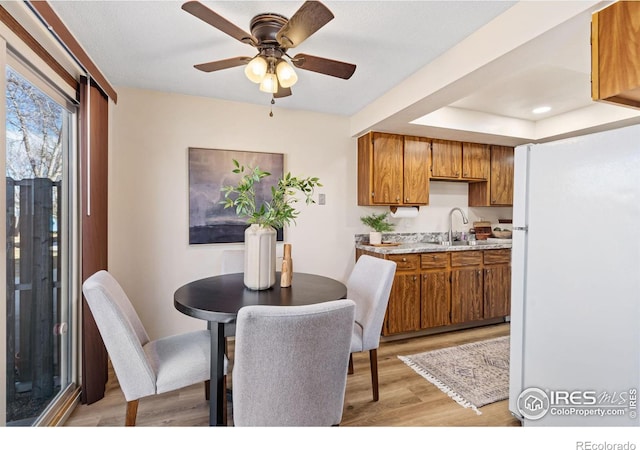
(464, 220)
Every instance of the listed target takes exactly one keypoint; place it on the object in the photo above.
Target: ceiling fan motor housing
(273, 35)
(265, 27)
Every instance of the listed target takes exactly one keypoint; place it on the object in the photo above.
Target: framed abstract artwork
(209, 171)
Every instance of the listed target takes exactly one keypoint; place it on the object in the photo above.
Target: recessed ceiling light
(541, 109)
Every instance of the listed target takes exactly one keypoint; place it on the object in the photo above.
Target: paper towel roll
(405, 212)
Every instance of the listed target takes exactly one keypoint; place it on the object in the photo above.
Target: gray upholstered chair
(369, 286)
(144, 367)
(291, 364)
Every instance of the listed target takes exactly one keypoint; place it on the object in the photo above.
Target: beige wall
(148, 193)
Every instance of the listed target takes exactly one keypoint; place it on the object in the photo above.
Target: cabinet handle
(404, 259)
(415, 278)
(397, 199)
(373, 194)
(457, 174)
(493, 201)
(465, 174)
(407, 200)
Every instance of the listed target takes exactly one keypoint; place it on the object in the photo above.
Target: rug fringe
(440, 385)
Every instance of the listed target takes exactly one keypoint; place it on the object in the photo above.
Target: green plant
(275, 213)
(378, 222)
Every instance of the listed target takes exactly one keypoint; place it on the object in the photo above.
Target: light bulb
(286, 75)
(256, 69)
(269, 83)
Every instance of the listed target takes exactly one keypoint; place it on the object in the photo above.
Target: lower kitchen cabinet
(466, 286)
(466, 295)
(438, 289)
(403, 311)
(497, 283)
(435, 304)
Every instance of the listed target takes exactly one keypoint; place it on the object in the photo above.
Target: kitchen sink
(463, 243)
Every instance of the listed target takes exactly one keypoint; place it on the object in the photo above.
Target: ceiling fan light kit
(287, 77)
(272, 35)
(256, 69)
(269, 83)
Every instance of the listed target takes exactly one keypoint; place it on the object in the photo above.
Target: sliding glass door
(40, 317)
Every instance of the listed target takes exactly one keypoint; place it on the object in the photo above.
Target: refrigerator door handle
(525, 228)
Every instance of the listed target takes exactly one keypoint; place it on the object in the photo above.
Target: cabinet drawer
(502, 256)
(466, 258)
(434, 260)
(406, 262)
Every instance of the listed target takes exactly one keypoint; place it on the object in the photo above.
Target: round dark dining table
(218, 299)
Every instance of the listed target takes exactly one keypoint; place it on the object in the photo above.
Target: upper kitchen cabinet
(451, 160)
(475, 161)
(393, 170)
(498, 190)
(416, 170)
(615, 54)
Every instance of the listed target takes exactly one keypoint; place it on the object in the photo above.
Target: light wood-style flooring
(406, 399)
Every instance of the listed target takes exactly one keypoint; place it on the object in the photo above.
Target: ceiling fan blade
(307, 20)
(282, 92)
(223, 64)
(323, 65)
(214, 19)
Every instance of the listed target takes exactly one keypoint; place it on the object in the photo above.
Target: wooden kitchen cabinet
(615, 61)
(435, 290)
(501, 177)
(438, 289)
(497, 283)
(451, 160)
(393, 170)
(417, 157)
(436, 299)
(466, 287)
(380, 174)
(475, 161)
(446, 159)
(498, 190)
(403, 310)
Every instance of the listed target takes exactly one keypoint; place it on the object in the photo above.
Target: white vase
(259, 257)
(375, 237)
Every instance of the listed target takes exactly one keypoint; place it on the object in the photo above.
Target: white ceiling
(154, 45)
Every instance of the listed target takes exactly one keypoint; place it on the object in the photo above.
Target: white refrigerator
(575, 300)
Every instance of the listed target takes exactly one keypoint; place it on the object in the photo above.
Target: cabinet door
(417, 157)
(436, 301)
(501, 184)
(615, 67)
(475, 161)
(403, 311)
(466, 295)
(387, 168)
(446, 159)
(497, 291)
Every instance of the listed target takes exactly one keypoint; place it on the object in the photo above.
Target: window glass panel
(38, 308)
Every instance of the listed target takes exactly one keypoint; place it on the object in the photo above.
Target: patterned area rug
(473, 375)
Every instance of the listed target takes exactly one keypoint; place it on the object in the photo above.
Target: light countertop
(425, 247)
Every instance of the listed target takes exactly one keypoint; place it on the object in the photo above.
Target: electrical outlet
(321, 199)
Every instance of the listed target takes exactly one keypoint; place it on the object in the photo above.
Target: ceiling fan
(272, 35)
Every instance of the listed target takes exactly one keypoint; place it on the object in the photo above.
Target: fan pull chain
(273, 102)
